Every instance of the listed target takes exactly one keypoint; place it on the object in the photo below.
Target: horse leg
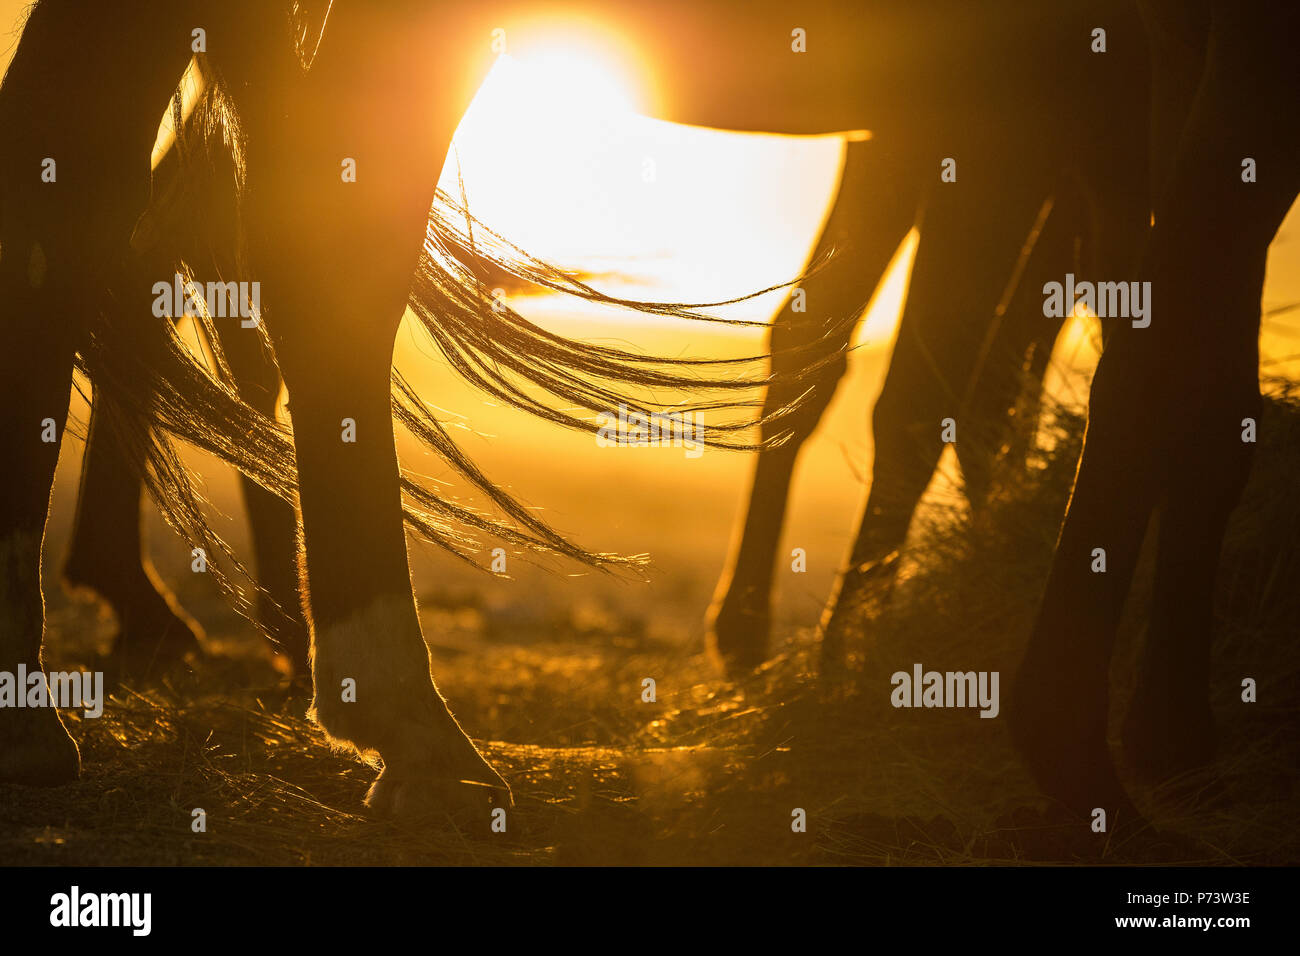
(1015, 353)
(1165, 426)
(99, 120)
(107, 557)
(1168, 729)
(866, 237)
(272, 521)
(370, 665)
(334, 297)
(35, 375)
(960, 275)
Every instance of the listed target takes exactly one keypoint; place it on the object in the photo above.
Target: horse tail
(172, 392)
(511, 358)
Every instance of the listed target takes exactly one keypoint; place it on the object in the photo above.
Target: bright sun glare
(551, 87)
(581, 75)
(558, 151)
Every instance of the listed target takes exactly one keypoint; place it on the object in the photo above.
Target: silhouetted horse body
(992, 89)
(59, 240)
(1024, 104)
(298, 124)
(822, 65)
(1024, 101)
(335, 260)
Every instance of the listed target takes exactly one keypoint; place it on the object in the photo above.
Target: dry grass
(711, 772)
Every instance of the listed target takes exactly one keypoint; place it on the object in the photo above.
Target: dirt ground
(713, 771)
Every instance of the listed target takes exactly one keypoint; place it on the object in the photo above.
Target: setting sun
(558, 152)
(577, 76)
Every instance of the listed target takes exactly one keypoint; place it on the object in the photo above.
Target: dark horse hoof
(154, 634)
(36, 749)
(737, 635)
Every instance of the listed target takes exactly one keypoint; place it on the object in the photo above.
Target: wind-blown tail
(165, 391)
(504, 354)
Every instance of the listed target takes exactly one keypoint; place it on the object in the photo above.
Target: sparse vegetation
(711, 772)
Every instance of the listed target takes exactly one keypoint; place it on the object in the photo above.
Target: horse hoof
(1197, 790)
(146, 650)
(435, 775)
(856, 597)
(1058, 727)
(736, 638)
(421, 795)
(1163, 743)
(36, 750)
(1060, 834)
(1074, 770)
(154, 633)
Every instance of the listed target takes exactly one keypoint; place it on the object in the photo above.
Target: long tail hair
(160, 390)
